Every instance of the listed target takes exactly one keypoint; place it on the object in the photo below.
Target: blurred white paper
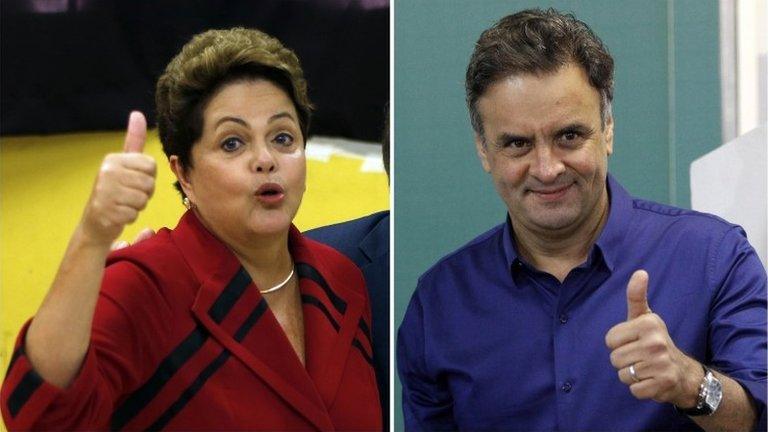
(731, 182)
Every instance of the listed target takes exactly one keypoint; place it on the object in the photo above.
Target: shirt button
(563, 318)
(567, 386)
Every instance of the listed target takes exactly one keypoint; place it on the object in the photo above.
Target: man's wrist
(692, 380)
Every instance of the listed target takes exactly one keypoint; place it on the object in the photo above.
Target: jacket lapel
(332, 313)
(375, 244)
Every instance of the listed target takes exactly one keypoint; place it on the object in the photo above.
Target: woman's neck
(266, 257)
(267, 264)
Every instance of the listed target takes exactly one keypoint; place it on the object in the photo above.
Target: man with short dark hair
(587, 309)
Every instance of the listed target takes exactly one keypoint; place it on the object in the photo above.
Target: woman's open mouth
(270, 193)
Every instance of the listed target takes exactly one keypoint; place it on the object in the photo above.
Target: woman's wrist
(85, 239)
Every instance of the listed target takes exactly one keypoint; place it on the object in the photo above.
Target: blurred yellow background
(45, 182)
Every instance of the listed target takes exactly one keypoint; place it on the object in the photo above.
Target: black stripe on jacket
(180, 355)
(307, 271)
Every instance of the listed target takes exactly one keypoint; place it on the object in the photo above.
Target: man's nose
(263, 160)
(546, 165)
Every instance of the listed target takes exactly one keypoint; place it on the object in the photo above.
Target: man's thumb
(637, 295)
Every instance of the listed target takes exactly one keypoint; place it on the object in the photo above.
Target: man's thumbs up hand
(122, 188)
(644, 355)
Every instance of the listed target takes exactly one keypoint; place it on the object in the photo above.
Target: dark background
(82, 65)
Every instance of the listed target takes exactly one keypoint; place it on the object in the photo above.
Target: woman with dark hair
(232, 320)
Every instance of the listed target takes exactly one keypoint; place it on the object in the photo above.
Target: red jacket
(183, 340)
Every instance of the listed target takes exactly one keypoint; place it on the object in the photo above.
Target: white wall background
(732, 181)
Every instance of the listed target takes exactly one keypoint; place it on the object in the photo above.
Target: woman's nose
(263, 159)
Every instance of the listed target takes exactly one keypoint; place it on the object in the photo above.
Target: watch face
(714, 393)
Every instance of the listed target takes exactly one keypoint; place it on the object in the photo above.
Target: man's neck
(557, 253)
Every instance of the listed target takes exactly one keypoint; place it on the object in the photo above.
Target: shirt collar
(508, 245)
(609, 241)
(619, 215)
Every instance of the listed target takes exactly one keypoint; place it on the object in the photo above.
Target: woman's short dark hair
(208, 62)
(536, 41)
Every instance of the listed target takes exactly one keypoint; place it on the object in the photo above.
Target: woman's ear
(182, 175)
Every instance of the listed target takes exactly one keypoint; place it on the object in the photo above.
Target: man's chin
(554, 221)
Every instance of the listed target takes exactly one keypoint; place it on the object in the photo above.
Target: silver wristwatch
(710, 396)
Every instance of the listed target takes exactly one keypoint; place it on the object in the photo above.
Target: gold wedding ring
(633, 374)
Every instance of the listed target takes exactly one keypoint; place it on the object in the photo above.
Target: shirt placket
(565, 382)
(569, 384)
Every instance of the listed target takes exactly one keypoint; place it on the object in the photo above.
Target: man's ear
(182, 175)
(482, 152)
(609, 135)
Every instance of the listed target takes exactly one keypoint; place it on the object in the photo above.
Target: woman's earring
(188, 204)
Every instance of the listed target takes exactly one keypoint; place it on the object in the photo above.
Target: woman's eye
(283, 139)
(231, 144)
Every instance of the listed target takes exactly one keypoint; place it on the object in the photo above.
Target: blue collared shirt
(490, 343)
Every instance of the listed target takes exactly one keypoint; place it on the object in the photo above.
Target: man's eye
(230, 145)
(571, 139)
(516, 144)
(570, 136)
(283, 139)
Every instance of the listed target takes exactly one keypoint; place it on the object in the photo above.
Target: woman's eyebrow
(238, 120)
(284, 114)
(225, 119)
